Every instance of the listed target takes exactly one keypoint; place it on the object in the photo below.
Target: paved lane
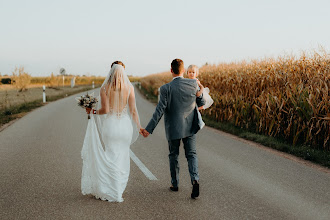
(40, 170)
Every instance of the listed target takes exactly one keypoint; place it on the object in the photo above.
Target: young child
(192, 72)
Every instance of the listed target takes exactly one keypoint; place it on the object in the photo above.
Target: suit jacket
(178, 103)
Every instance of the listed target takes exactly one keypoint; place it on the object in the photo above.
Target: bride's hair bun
(119, 63)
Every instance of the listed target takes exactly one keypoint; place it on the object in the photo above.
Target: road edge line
(142, 167)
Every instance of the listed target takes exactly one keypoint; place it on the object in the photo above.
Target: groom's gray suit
(178, 103)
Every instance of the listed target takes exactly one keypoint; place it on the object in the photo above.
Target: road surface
(40, 170)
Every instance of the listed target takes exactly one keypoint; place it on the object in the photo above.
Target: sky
(85, 37)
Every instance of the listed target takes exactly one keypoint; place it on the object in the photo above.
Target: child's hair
(193, 67)
(177, 66)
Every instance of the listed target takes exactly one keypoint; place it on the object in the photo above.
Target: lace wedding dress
(109, 134)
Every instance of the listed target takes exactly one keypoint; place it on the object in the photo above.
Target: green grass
(17, 111)
(11, 113)
(305, 152)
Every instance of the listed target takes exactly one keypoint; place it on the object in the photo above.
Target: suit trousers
(189, 144)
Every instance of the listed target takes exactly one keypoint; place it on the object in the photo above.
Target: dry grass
(11, 98)
(15, 104)
(56, 81)
(152, 82)
(287, 97)
(12, 95)
(21, 79)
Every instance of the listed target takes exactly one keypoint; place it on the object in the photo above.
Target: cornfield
(287, 97)
(152, 82)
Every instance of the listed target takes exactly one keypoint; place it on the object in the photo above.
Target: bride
(113, 127)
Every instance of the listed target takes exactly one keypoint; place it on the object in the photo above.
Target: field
(57, 81)
(14, 104)
(10, 98)
(18, 98)
(287, 98)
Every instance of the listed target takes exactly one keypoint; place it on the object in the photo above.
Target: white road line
(142, 167)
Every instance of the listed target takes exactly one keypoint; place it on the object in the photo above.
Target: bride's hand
(144, 132)
(88, 110)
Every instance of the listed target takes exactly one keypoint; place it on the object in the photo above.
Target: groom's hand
(144, 132)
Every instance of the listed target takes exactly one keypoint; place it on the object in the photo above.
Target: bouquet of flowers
(87, 101)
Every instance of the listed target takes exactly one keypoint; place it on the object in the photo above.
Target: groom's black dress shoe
(195, 190)
(175, 189)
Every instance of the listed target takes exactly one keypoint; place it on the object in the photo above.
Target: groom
(178, 104)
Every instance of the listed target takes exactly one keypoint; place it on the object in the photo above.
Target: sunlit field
(13, 94)
(11, 97)
(21, 93)
(287, 97)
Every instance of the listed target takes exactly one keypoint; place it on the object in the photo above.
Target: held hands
(144, 132)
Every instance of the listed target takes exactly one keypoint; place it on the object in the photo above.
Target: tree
(21, 79)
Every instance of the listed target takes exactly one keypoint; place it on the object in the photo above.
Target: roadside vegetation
(14, 104)
(283, 103)
(21, 93)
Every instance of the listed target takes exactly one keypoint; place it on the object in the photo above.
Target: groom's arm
(160, 108)
(200, 101)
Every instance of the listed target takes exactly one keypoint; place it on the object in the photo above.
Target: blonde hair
(193, 67)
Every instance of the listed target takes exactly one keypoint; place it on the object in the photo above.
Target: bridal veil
(109, 134)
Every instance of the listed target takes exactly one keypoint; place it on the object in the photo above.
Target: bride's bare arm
(132, 107)
(103, 95)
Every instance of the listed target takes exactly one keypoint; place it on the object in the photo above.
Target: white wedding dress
(105, 152)
(208, 100)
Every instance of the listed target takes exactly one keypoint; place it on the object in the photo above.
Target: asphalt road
(40, 171)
